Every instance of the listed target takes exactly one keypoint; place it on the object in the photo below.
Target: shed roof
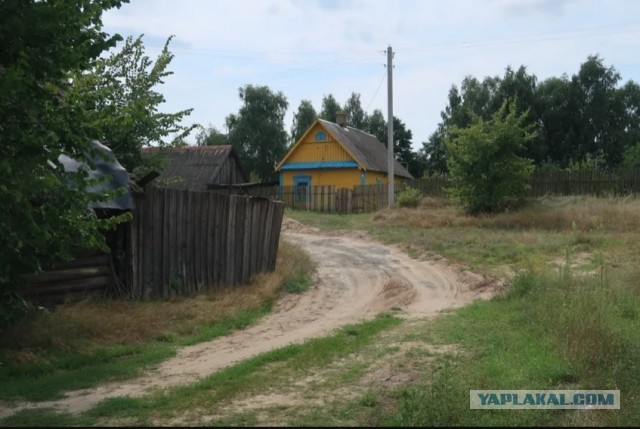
(198, 166)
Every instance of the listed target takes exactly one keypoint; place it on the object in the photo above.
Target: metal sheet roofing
(105, 165)
(365, 147)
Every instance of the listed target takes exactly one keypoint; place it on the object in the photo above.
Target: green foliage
(257, 131)
(330, 107)
(119, 94)
(298, 285)
(409, 197)
(43, 214)
(302, 120)
(211, 137)
(577, 118)
(356, 116)
(486, 172)
(631, 157)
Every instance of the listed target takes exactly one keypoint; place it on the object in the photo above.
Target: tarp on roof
(105, 165)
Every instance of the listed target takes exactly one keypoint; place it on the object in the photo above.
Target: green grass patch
(239, 320)
(551, 331)
(257, 374)
(329, 221)
(45, 380)
(44, 418)
(48, 379)
(298, 285)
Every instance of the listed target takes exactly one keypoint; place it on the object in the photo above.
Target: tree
(119, 94)
(485, 170)
(330, 108)
(211, 137)
(434, 152)
(257, 131)
(357, 118)
(302, 120)
(402, 143)
(377, 126)
(43, 214)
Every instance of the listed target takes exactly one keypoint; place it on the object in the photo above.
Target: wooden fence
(89, 275)
(330, 199)
(184, 242)
(596, 182)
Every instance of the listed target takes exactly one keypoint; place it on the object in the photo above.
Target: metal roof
(105, 165)
(366, 148)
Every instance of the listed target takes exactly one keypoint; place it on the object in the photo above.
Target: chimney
(341, 118)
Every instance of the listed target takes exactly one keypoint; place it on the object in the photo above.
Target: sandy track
(356, 279)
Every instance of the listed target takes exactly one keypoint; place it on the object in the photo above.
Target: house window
(302, 187)
(321, 136)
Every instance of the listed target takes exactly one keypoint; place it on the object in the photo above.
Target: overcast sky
(310, 48)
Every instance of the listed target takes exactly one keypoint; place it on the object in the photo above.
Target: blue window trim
(320, 136)
(363, 177)
(318, 164)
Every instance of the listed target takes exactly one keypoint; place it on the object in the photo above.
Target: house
(196, 167)
(336, 154)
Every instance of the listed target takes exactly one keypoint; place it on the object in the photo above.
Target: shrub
(486, 172)
(409, 197)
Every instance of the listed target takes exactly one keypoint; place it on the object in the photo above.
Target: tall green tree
(330, 108)
(434, 152)
(486, 172)
(257, 131)
(357, 117)
(43, 214)
(302, 120)
(377, 125)
(211, 136)
(120, 94)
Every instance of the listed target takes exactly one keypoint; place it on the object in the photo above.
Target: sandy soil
(356, 279)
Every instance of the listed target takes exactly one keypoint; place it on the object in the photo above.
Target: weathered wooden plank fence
(89, 275)
(594, 182)
(185, 242)
(330, 199)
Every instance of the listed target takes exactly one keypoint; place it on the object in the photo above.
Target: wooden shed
(194, 168)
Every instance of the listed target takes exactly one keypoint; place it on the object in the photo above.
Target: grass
(258, 374)
(83, 344)
(568, 319)
(550, 330)
(541, 230)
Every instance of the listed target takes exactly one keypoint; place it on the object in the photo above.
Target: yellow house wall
(310, 150)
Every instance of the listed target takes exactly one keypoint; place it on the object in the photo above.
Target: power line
(384, 75)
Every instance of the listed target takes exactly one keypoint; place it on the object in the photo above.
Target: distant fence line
(368, 198)
(591, 182)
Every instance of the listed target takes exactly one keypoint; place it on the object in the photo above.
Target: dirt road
(356, 279)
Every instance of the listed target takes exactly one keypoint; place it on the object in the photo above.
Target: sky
(307, 49)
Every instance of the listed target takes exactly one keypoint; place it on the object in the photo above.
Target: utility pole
(390, 158)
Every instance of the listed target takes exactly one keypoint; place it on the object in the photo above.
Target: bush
(410, 197)
(485, 170)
